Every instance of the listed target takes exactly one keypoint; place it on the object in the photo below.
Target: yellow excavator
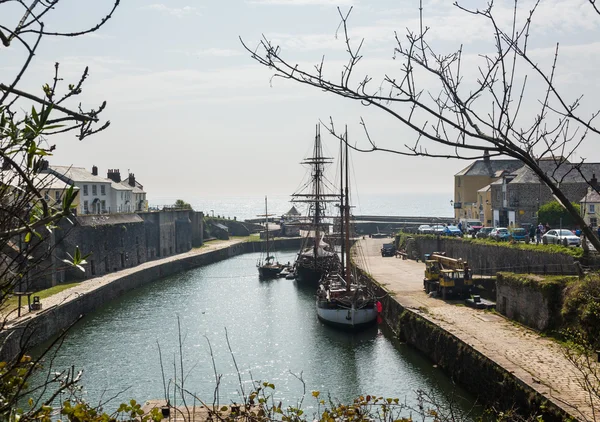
(447, 276)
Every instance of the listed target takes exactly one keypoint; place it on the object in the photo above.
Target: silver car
(424, 229)
(560, 237)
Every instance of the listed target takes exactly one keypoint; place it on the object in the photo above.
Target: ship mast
(267, 227)
(347, 218)
(342, 222)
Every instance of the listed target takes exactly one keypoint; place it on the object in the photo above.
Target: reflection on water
(272, 328)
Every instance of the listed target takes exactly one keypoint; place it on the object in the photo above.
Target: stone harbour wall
(490, 259)
(530, 300)
(490, 383)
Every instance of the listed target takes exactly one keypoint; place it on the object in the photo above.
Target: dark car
(484, 232)
(388, 249)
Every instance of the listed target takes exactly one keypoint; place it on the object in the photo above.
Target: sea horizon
(249, 207)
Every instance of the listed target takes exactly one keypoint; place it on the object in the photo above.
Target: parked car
(500, 234)
(388, 249)
(520, 235)
(484, 232)
(561, 237)
(452, 231)
(439, 229)
(424, 229)
(471, 226)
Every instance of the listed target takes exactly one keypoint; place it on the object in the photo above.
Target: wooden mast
(317, 189)
(267, 228)
(342, 222)
(347, 219)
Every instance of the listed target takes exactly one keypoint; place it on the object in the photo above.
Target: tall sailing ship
(342, 300)
(316, 257)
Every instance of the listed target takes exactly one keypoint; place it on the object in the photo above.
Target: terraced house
(468, 201)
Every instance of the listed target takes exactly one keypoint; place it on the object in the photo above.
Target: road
(537, 361)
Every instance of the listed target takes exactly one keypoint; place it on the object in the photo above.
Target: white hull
(350, 318)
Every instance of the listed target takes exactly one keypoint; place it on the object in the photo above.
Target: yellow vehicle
(447, 276)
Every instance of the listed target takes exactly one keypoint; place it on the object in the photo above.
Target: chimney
(114, 175)
(486, 156)
(44, 165)
(131, 180)
(594, 182)
(94, 170)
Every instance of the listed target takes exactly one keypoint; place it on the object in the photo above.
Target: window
(46, 196)
(57, 196)
(85, 190)
(85, 206)
(94, 190)
(102, 190)
(458, 182)
(592, 208)
(103, 202)
(593, 222)
(121, 196)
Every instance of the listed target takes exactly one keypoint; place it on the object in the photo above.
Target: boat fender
(379, 307)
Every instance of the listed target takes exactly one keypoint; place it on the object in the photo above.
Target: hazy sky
(193, 115)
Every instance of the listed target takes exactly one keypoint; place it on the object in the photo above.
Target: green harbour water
(274, 336)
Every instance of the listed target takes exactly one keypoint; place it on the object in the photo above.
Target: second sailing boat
(316, 256)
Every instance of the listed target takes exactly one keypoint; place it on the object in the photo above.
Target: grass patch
(552, 249)
(13, 302)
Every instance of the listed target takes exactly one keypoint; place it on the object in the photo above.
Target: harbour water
(404, 204)
(273, 332)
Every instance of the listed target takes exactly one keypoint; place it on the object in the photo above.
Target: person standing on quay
(538, 233)
(532, 233)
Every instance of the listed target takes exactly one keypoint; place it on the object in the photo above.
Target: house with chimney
(121, 194)
(98, 195)
(468, 203)
(139, 201)
(94, 191)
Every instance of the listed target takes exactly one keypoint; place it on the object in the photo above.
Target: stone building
(118, 241)
(517, 196)
(474, 177)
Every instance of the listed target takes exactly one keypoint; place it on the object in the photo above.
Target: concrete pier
(536, 362)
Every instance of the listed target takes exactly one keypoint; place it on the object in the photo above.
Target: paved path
(94, 283)
(537, 361)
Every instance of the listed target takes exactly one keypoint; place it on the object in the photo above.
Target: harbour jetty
(484, 352)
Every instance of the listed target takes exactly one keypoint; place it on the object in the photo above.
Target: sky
(193, 115)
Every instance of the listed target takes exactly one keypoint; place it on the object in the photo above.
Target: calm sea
(245, 207)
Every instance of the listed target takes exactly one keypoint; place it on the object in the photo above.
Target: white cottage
(94, 191)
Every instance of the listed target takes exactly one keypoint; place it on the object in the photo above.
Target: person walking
(538, 234)
(546, 228)
(532, 233)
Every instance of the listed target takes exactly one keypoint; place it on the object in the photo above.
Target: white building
(94, 191)
(139, 201)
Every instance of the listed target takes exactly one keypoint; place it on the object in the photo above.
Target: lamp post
(213, 213)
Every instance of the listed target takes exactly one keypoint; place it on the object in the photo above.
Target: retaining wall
(490, 383)
(44, 325)
(490, 259)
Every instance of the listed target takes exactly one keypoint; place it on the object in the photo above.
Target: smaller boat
(268, 267)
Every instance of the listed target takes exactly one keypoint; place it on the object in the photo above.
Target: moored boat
(342, 300)
(268, 267)
(316, 257)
